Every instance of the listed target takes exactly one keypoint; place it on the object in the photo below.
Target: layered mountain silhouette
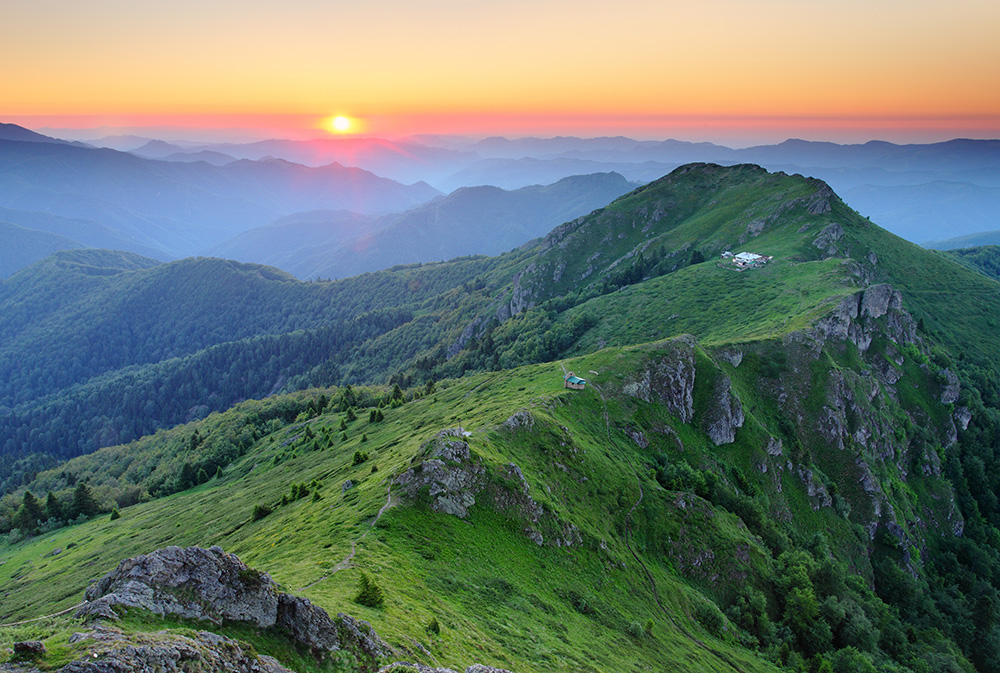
(175, 208)
(469, 221)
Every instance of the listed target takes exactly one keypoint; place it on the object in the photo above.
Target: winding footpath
(346, 562)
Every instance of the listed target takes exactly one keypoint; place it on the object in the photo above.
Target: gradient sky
(840, 69)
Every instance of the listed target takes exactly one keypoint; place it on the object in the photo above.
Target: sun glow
(340, 124)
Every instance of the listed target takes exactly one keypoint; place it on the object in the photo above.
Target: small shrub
(369, 593)
(360, 456)
(433, 627)
(115, 514)
(374, 468)
(260, 511)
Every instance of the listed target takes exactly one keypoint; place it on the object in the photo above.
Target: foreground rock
(213, 586)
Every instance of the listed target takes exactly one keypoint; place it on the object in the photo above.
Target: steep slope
(984, 259)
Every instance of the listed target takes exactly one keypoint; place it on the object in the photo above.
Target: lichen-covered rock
(669, 379)
(828, 237)
(192, 583)
(724, 414)
(209, 584)
(109, 650)
(951, 387)
(306, 623)
(359, 637)
(520, 420)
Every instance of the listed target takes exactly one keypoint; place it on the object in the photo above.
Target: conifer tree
(54, 508)
(30, 514)
(83, 501)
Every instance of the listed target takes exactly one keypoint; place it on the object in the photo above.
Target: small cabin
(573, 381)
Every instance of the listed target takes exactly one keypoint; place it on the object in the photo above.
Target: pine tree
(54, 508)
(369, 593)
(30, 514)
(83, 501)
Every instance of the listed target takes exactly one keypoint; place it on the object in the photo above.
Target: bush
(369, 593)
(360, 457)
(260, 511)
(433, 627)
(115, 514)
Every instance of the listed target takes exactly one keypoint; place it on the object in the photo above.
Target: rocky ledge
(207, 585)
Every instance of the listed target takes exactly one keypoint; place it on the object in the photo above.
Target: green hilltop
(787, 467)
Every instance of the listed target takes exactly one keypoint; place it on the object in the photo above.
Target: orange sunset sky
(707, 69)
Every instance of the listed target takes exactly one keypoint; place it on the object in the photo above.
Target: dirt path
(346, 562)
(38, 619)
(649, 576)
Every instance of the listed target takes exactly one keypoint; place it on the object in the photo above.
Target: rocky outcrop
(826, 241)
(211, 585)
(520, 420)
(407, 667)
(724, 415)
(454, 480)
(109, 650)
(193, 583)
(962, 417)
(447, 472)
(950, 387)
(669, 379)
(855, 317)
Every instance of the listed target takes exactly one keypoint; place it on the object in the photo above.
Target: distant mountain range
(469, 221)
(919, 191)
(172, 209)
(970, 241)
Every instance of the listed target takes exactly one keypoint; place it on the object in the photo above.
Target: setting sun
(340, 124)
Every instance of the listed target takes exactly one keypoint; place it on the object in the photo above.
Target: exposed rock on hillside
(454, 480)
(209, 584)
(855, 318)
(447, 473)
(109, 650)
(724, 415)
(670, 379)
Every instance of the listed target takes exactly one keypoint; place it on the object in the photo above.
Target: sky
(722, 70)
